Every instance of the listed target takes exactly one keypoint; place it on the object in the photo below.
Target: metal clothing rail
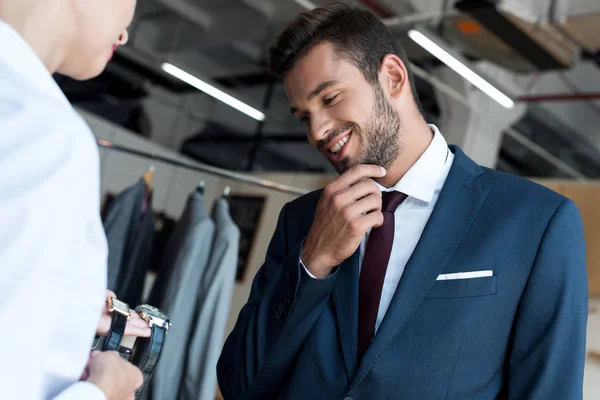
(204, 168)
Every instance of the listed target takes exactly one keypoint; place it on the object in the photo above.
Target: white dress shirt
(52, 245)
(422, 184)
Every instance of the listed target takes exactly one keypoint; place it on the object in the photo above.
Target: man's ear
(394, 75)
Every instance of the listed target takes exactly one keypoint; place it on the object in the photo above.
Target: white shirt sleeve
(52, 244)
(82, 390)
(52, 252)
(314, 277)
(331, 273)
(307, 271)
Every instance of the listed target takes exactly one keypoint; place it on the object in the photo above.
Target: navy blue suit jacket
(519, 334)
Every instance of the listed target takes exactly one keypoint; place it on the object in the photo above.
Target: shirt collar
(19, 56)
(422, 179)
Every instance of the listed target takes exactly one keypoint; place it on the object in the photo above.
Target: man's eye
(305, 118)
(330, 99)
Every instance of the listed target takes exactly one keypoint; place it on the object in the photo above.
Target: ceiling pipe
(513, 133)
(382, 11)
(558, 97)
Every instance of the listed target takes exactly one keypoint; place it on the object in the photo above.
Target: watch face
(155, 316)
(118, 306)
(153, 311)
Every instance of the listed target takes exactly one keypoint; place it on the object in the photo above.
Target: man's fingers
(368, 204)
(348, 196)
(136, 329)
(361, 190)
(357, 174)
(373, 219)
(136, 326)
(136, 376)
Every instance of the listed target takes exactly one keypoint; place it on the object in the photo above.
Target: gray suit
(129, 233)
(177, 283)
(214, 301)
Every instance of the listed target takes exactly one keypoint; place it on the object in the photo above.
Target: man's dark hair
(356, 34)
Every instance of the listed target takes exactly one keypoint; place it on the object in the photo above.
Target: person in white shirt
(52, 245)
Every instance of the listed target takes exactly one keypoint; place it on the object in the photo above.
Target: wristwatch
(147, 351)
(120, 314)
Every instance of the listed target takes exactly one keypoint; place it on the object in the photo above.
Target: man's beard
(381, 140)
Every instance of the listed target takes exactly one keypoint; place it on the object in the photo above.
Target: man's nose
(319, 128)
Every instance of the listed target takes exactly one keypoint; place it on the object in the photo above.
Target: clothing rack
(203, 168)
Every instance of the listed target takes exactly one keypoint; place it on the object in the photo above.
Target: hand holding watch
(144, 350)
(135, 326)
(120, 315)
(147, 351)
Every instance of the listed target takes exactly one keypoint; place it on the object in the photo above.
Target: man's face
(98, 24)
(348, 120)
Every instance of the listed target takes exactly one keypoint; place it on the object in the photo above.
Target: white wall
(479, 134)
(583, 117)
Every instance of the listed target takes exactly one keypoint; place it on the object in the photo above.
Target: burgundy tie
(375, 261)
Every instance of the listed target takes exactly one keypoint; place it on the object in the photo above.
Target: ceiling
(224, 42)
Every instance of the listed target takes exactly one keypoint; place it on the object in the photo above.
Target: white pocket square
(465, 275)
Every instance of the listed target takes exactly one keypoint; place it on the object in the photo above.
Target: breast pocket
(463, 288)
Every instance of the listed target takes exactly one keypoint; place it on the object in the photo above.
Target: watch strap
(147, 353)
(116, 332)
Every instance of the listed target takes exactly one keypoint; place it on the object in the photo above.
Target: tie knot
(391, 201)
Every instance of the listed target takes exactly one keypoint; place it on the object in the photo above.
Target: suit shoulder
(526, 190)
(305, 203)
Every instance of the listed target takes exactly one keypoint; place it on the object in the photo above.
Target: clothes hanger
(200, 187)
(226, 192)
(149, 178)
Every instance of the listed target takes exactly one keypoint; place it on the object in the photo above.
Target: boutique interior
(176, 142)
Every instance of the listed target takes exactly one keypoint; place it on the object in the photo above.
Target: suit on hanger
(129, 232)
(164, 228)
(517, 334)
(175, 290)
(212, 309)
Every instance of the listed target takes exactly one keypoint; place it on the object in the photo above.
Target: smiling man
(416, 274)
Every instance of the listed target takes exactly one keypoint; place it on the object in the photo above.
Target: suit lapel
(345, 300)
(458, 204)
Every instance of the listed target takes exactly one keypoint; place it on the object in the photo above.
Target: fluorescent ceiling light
(460, 68)
(213, 91)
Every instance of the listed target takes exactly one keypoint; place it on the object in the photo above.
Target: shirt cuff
(82, 390)
(314, 277)
(307, 271)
